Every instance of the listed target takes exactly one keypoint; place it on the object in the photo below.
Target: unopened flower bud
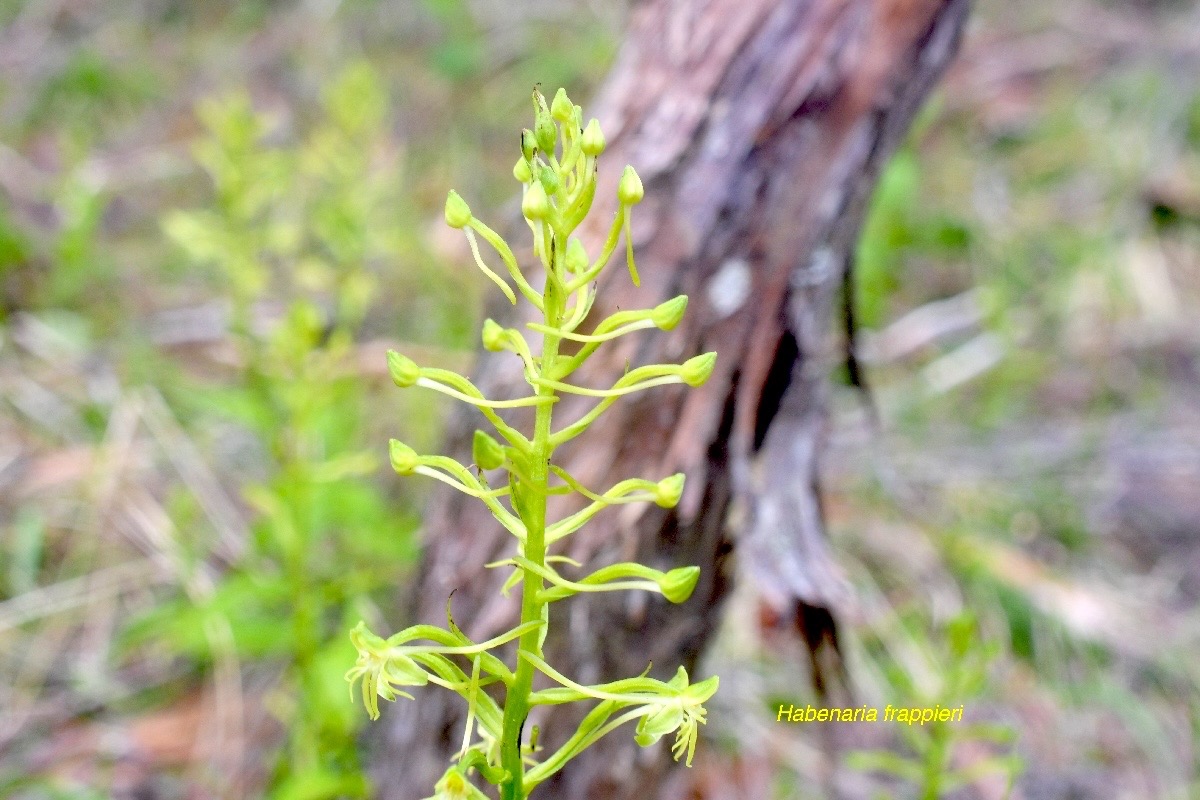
(404, 370)
(535, 205)
(669, 490)
(696, 370)
(629, 190)
(458, 213)
(494, 336)
(561, 108)
(404, 459)
(593, 139)
(543, 124)
(577, 257)
(549, 180)
(521, 171)
(667, 315)
(547, 135)
(528, 144)
(678, 584)
(486, 451)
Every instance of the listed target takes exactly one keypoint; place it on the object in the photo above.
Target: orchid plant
(557, 171)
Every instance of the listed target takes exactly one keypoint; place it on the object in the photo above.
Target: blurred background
(215, 217)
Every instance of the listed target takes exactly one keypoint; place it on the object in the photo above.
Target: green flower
(683, 712)
(455, 786)
(382, 668)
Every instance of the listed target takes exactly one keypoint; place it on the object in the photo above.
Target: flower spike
(513, 474)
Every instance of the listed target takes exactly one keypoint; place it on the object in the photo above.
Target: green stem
(516, 706)
(935, 766)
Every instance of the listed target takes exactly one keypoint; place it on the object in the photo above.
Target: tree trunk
(759, 128)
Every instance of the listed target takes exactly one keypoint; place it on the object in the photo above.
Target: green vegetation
(1045, 230)
(957, 678)
(306, 223)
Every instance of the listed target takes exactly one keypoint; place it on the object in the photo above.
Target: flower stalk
(557, 170)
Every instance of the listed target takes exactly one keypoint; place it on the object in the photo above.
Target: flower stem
(516, 706)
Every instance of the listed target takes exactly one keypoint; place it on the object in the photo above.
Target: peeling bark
(759, 128)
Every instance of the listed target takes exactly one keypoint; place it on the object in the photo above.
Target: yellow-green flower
(683, 712)
(455, 786)
(382, 668)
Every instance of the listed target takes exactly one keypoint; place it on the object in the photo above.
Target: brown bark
(759, 128)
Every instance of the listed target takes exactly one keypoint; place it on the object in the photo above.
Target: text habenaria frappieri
(920, 715)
